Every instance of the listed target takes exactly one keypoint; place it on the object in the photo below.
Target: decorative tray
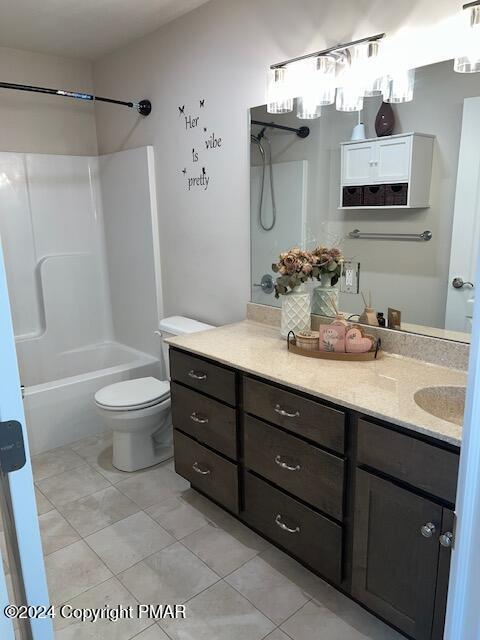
(373, 354)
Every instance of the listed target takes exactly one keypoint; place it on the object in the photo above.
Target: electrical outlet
(350, 277)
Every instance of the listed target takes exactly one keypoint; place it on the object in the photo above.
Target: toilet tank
(178, 326)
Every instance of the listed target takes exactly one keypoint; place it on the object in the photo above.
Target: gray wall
(220, 52)
(36, 123)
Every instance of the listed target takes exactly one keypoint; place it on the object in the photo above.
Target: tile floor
(120, 538)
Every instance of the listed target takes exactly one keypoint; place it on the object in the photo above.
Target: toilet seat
(132, 395)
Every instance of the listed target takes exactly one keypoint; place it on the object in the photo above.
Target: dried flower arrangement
(329, 261)
(297, 266)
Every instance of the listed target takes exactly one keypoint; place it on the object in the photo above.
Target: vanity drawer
(406, 458)
(207, 420)
(206, 471)
(310, 537)
(308, 418)
(313, 475)
(203, 376)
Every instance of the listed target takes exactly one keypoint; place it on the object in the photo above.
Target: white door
(392, 159)
(358, 162)
(17, 497)
(466, 223)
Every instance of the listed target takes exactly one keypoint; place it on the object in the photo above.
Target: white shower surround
(54, 210)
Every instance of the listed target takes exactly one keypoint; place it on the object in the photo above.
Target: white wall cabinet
(404, 158)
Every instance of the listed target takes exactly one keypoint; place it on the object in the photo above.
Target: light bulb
(308, 108)
(400, 86)
(469, 61)
(279, 99)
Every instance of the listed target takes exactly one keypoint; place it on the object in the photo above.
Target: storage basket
(396, 194)
(374, 195)
(352, 196)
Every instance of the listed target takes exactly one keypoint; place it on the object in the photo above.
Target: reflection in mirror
(374, 198)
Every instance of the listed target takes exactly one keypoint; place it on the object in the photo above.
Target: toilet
(138, 411)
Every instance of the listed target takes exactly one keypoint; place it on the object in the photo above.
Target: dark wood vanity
(364, 504)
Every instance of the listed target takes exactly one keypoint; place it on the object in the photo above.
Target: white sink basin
(447, 403)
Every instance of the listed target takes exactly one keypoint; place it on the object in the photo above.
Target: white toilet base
(134, 451)
(142, 437)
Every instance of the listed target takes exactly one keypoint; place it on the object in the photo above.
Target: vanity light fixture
(352, 67)
(469, 61)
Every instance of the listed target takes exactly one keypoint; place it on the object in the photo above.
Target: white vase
(325, 297)
(296, 310)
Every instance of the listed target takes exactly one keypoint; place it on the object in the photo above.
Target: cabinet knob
(446, 539)
(428, 530)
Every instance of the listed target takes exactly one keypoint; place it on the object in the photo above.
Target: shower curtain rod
(143, 107)
(302, 132)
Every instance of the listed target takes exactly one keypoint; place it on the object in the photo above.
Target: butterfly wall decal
(181, 110)
(202, 102)
(203, 170)
(184, 171)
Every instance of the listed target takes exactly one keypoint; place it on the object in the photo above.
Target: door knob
(266, 284)
(458, 283)
(428, 530)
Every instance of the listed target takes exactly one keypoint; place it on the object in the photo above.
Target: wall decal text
(204, 142)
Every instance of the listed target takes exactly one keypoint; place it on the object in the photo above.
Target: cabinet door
(358, 163)
(392, 160)
(394, 565)
(448, 521)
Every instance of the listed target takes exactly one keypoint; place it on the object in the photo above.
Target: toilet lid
(133, 393)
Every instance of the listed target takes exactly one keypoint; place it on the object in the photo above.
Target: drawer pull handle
(428, 530)
(285, 413)
(197, 375)
(195, 417)
(203, 472)
(283, 526)
(284, 465)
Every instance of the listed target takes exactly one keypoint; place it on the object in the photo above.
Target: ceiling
(84, 28)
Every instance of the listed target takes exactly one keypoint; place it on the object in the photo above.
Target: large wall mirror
(373, 197)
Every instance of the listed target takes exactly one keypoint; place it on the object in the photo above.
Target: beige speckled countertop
(383, 388)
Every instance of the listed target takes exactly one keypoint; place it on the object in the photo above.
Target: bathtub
(59, 390)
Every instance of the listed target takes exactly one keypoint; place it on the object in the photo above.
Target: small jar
(307, 340)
